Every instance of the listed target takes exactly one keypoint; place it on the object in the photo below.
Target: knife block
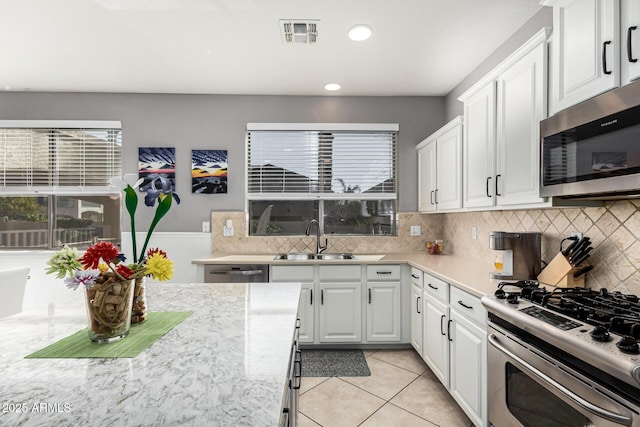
(560, 273)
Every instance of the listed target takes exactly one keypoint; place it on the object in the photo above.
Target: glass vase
(109, 308)
(139, 310)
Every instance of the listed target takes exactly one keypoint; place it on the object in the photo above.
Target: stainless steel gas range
(563, 357)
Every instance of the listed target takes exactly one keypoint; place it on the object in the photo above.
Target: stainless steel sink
(295, 257)
(335, 256)
(307, 257)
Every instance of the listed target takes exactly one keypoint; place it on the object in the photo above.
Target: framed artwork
(209, 171)
(154, 162)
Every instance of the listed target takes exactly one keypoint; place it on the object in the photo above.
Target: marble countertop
(224, 365)
(472, 276)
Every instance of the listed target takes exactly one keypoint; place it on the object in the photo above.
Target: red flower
(156, 251)
(106, 251)
(124, 271)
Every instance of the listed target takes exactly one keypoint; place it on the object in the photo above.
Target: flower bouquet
(111, 286)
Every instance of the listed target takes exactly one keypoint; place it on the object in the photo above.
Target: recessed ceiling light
(332, 87)
(359, 33)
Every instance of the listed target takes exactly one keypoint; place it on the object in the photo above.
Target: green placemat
(140, 337)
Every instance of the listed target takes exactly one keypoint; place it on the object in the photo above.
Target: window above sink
(343, 175)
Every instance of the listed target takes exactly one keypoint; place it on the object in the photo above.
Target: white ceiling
(418, 47)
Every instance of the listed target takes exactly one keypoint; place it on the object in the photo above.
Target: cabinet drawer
(469, 306)
(436, 287)
(293, 273)
(337, 273)
(383, 272)
(416, 277)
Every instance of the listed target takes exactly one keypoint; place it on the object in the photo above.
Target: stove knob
(600, 333)
(628, 345)
(500, 294)
(512, 298)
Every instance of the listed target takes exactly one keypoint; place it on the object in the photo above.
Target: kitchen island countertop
(224, 365)
(471, 276)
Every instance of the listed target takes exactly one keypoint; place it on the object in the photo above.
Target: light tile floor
(401, 392)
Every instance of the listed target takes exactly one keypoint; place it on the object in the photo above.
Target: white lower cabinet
(306, 309)
(436, 339)
(384, 303)
(417, 310)
(347, 303)
(454, 344)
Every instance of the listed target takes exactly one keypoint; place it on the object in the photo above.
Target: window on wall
(54, 183)
(344, 176)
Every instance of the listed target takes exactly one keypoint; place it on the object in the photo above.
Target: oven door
(527, 389)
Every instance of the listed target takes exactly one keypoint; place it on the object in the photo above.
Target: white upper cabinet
(521, 104)
(585, 50)
(440, 169)
(501, 133)
(479, 148)
(630, 39)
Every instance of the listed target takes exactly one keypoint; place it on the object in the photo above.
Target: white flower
(130, 179)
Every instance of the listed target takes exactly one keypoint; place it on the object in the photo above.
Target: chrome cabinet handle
(604, 57)
(629, 48)
(432, 197)
(436, 194)
(601, 412)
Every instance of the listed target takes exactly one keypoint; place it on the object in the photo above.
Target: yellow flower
(103, 267)
(159, 267)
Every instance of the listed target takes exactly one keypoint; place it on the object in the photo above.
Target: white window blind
(321, 164)
(58, 160)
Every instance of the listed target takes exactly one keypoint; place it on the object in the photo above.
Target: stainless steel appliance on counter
(567, 357)
(235, 273)
(520, 254)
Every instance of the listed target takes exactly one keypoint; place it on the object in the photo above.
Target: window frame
(328, 196)
(54, 190)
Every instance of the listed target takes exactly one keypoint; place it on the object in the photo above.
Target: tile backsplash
(614, 230)
(431, 227)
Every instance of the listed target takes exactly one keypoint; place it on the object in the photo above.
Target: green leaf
(131, 202)
(163, 207)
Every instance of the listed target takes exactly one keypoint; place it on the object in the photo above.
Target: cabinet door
(416, 318)
(436, 338)
(630, 40)
(427, 177)
(340, 312)
(383, 311)
(479, 147)
(585, 50)
(449, 170)
(306, 313)
(520, 106)
(468, 367)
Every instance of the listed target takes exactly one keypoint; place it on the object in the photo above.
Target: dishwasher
(236, 273)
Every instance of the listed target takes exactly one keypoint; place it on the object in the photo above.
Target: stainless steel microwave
(592, 150)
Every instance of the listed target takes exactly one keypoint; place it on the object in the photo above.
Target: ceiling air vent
(297, 31)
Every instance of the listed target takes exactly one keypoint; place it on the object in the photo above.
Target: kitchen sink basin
(307, 257)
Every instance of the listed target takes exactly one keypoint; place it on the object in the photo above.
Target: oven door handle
(601, 412)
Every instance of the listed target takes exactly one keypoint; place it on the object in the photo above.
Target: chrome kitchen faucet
(319, 249)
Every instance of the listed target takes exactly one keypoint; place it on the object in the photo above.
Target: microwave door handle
(601, 412)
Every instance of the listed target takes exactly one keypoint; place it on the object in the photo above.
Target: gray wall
(218, 122)
(544, 18)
